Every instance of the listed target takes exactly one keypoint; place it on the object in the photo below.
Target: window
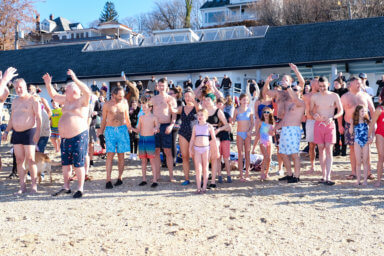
(214, 17)
(64, 38)
(72, 36)
(86, 34)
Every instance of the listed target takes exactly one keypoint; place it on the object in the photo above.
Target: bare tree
(289, 12)
(14, 12)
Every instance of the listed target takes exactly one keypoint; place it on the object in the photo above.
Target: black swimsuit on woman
(187, 122)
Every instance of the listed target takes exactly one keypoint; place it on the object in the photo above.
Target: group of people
(150, 124)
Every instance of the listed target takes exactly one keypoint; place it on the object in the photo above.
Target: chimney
(51, 17)
(38, 22)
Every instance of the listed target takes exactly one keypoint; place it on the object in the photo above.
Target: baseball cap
(363, 75)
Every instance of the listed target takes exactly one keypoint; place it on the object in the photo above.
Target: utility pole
(16, 35)
(349, 9)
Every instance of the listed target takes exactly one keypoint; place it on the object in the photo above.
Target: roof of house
(330, 42)
(215, 3)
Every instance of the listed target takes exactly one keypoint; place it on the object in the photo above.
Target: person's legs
(80, 173)
(247, 151)
(312, 156)
(296, 162)
(204, 163)
(380, 161)
(358, 153)
(120, 165)
(67, 169)
(366, 164)
(198, 168)
(174, 148)
(154, 172)
(157, 162)
(263, 173)
(18, 149)
(215, 163)
(91, 151)
(329, 160)
(168, 154)
(144, 168)
(184, 147)
(322, 159)
(352, 158)
(108, 165)
(287, 164)
(240, 146)
(30, 162)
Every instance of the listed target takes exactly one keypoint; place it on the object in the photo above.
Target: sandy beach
(252, 218)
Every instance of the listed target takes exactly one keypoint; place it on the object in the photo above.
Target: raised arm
(47, 108)
(298, 75)
(266, 90)
(82, 86)
(8, 75)
(51, 91)
(298, 102)
(223, 120)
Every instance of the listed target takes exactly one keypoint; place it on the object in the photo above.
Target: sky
(86, 11)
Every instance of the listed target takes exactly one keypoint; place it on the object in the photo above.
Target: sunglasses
(295, 89)
(266, 112)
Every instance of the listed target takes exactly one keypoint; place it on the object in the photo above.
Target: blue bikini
(245, 116)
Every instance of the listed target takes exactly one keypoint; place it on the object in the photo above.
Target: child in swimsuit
(378, 118)
(244, 117)
(359, 125)
(147, 127)
(264, 130)
(199, 148)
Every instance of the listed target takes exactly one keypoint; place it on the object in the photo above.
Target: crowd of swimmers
(201, 121)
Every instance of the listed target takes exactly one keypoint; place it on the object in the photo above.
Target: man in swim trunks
(25, 122)
(73, 129)
(163, 108)
(4, 92)
(322, 108)
(289, 111)
(310, 123)
(115, 122)
(349, 101)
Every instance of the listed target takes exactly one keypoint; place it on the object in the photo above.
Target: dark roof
(330, 42)
(215, 3)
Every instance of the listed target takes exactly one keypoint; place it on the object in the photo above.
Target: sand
(252, 218)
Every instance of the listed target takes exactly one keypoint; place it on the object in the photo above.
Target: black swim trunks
(24, 137)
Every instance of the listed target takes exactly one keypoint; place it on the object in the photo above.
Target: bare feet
(311, 170)
(377, 184)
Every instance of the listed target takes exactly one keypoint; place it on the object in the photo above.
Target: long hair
(270, 120)
(356, 115)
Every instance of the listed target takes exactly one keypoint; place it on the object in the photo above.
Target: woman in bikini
(378, 118)
(199, 148)
(244, 117)
(215, 117)
(188, 120)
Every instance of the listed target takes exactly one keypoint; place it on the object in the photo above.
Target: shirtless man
(4, 92)
(349, 101)
(163, 107)
(310, 123)
(115, 122)
(25, 122)
(286, 104)
(73, 129)
(322, 108)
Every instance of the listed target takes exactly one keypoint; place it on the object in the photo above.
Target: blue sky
(86, 11)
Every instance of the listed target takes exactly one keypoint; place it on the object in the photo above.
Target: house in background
(220, 12)
(61, 31)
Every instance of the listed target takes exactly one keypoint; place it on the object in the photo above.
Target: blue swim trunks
(74, 150)
(163, 140)
(290, 140)
(117, 139)
(147, 147)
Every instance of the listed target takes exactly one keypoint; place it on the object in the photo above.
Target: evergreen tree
(109, 13)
